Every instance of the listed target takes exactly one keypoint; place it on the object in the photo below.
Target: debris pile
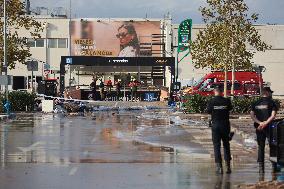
(264, 185)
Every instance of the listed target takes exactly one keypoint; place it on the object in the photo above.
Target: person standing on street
(102, 89)
(93, 87)
(219, 108)
(118, 90)
(263, 112)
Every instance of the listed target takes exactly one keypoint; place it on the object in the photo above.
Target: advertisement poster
(116, 38)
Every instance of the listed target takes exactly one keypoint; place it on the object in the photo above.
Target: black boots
(231, 135)
(261, 167)
(219, 168)
(228, 166)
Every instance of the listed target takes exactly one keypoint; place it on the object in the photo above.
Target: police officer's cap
(267, 89)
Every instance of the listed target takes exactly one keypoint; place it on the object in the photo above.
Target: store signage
(161, 61)
(6, 80)
(32, 65)
(113, 38)
(68, 60)
(119, 61)
(184, 35)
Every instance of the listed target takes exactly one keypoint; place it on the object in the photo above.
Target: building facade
(55, 43)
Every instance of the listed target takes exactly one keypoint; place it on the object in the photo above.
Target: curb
(3, 117)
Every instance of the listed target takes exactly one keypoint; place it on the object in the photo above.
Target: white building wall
(57, 28)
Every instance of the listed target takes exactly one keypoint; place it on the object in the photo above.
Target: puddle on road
(108, 137)
(124, 136)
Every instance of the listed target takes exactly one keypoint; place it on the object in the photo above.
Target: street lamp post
(5, 65)
(70, 1)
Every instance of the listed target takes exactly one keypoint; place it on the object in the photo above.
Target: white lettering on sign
(120, 61)
(161, 61)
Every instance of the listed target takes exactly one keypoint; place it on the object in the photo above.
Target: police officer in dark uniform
(263, 112)
(219, 108)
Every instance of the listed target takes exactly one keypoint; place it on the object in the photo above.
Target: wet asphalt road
(108, 150)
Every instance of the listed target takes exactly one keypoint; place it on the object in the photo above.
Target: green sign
(184, 35)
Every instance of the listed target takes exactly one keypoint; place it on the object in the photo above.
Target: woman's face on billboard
(87, 30)
(124, 37)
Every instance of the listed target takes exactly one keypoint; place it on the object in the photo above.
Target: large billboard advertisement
(116, 38)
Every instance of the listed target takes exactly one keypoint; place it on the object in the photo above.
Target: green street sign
(184, 35)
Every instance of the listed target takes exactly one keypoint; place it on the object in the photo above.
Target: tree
(223, 44)
(17, 49)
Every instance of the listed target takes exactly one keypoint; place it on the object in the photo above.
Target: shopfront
(150, 72)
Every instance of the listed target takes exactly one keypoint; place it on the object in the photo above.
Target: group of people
(263, 112)
(106, 93)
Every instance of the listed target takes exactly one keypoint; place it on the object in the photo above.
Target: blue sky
(271, 11)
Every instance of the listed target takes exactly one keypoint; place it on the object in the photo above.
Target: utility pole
(5, 65)
(70, 1)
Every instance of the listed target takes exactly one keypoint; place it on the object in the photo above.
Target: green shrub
(242, 105)
(20, 101)
(198, 103)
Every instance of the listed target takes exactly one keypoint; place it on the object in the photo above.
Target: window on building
(30, 42)
(52, 43)
(35, 42)
(39, 42)
(57, 43)
(62, 43)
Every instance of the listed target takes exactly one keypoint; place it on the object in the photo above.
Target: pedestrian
(134, 87)
(118, 90)
(108, 87)
(102, 89)
(93, 87)
(219, 108)
(263, 112)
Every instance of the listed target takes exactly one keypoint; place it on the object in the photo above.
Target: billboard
(116, 38)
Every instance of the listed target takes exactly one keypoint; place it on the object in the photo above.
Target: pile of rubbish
(73, 107)
(264, 185)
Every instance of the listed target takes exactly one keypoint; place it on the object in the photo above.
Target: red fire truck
(246, 84)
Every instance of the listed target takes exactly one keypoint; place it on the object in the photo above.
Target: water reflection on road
(109, 150)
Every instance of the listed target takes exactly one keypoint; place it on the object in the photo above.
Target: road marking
(73, 171)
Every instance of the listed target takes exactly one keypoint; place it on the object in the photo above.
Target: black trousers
(261, 138)
(133, 95)
(220, 132)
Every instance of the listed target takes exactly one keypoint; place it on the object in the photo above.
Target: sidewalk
(202, 135)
